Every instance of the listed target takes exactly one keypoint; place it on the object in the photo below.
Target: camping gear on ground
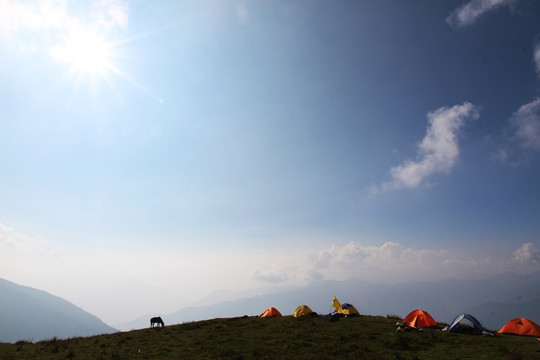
(271, 311)
(458, 326)
(419, 319)
(303, 310)
(521, 326)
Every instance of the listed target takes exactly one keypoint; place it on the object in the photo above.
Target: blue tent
(478, 328)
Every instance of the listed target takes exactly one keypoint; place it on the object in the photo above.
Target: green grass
(364, 337)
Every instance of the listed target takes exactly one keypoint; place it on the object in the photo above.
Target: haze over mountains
(494, 301)
(33, 315)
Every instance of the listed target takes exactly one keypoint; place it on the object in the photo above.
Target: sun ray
(88, 55)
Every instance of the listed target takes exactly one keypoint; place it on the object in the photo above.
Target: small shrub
(53, 344)
(23, 342)
(52, 340)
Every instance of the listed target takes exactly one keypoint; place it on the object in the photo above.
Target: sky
(156, 155)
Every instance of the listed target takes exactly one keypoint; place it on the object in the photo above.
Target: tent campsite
(521, 326)
(271, 311)
(344, 309)
(419, 319)
(477, 328)
(303, 310)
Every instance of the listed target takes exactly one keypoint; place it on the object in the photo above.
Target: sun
(88, 55)
(84, 51)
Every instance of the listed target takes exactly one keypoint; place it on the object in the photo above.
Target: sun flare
(84, 51)
(87, 54)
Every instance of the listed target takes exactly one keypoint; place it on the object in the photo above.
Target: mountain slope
(312, 337)
(31, 314)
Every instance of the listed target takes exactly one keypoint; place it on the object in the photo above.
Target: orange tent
(521, 326)
(271, 311)
(419, 319)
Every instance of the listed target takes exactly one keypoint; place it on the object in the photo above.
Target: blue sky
(190, 147)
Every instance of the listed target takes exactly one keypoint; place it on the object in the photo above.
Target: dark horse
(156, 320)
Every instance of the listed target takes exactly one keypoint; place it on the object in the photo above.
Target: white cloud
(16, 15)
(111, 13)
(242, 13)
(388, 256)
(537, 56)
(271, 276)
(389, 262)
(392, 262)
(526, 123)
(527, 253)
(14, 245)
(501, 155)
(469, 12)
(438, 151)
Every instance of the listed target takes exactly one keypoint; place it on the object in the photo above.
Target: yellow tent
(345, 309)
(302, 310)
(348, 309)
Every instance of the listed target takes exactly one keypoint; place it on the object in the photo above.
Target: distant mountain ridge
(442, 299)
(33, 315)
(491, 312)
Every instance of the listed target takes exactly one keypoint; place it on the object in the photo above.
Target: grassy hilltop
(363, 337)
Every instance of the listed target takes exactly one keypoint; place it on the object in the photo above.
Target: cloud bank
(388, 263)
(527, 253)
(393, 262)
(438, 151)
(129, 279)
(468, 13)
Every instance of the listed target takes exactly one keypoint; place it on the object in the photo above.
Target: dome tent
(344, 309)
(348, 309)
(303, 310)
(521, 326)
(271, 311)
(477, 327)
(419, 319)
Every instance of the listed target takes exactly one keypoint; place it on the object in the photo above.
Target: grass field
(363, 337)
